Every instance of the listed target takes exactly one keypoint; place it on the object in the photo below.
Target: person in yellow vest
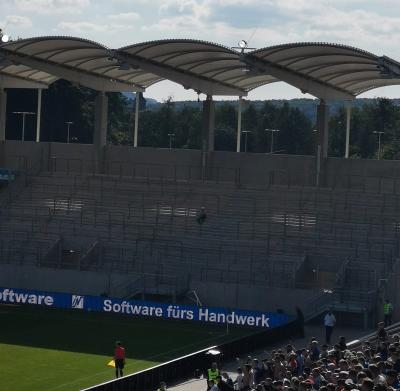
(387, 312)
(212, 374)
(163, 386)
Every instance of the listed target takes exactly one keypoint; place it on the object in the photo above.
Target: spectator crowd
(372, 366)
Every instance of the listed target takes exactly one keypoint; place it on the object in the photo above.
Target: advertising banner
(144, 308)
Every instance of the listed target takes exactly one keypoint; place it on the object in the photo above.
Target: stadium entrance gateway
(145, 308)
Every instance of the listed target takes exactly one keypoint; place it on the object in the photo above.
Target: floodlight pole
(245, 138)
(3, 111)
(379, 133)
(136, 130)
(272, 137)
(69, 123)
(170, 135)
(24, 114)
(239, 124)
(39, 114)
(348, 116)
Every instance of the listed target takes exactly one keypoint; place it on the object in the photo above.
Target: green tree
(225, 127)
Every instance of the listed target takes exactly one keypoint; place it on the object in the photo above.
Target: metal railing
(381, 184)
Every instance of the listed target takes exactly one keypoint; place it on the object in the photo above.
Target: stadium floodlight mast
(379, 133)
(24, 114)
(170, 135)
(69, 123)
(4, 38)
(272, 137)
(242, 46)
(246, 132)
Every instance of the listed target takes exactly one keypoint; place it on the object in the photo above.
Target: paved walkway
(310, 331)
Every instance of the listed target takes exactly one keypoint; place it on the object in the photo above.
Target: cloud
(85, 28)
(195, 8)
(52, 6)
(81, 27)
(22, 22)
(125, 17)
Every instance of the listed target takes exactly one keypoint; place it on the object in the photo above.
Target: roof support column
(39, 114)
(100, 129)
(3, 113)
(348, 118)
(136, 130)
(239, 124)
(208, 124)
(207, 137)
(323, 138)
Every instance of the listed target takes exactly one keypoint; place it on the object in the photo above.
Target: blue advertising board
(144, 308)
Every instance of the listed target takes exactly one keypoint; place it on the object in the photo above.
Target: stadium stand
(143, 223)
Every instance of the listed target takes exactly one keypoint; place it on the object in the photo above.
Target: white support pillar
(208, 124)
(348, 118)
(323, 127)
(100, 128)
(3, 113)
(39, 114)
(322, 143)
(136, 130)
(239, 125)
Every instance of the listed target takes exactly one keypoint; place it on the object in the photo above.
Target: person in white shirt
(329, 322)
(239, 380)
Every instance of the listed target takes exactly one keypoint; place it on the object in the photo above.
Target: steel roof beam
(8, 81)
(305, 83)
(87, 79)
(186, 79)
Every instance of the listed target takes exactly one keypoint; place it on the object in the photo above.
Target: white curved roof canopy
(327, 71)
(78, 60)
(343, 68)
(204, 66)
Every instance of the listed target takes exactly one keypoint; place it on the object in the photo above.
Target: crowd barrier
(188, 366)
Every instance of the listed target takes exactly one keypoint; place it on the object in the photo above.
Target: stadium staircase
(278, 236)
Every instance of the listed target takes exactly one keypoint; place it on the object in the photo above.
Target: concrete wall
(48, 156)
(54, 280)
(364, 174)
(95, 283)
(261, 168)
(23, 155)
(155, 162)
(252, 297)
(249, 169)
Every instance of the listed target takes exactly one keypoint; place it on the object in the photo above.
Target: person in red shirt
(119, 358)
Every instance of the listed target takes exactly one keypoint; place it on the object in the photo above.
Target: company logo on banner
(77, 302)
(145, 308)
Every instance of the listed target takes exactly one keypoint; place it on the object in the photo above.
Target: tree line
(64, 102)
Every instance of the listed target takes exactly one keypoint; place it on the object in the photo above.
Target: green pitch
(55, 350)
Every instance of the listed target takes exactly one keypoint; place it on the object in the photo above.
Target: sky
(370, 25)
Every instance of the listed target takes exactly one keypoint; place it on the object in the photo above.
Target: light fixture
(4, 37)
(123, 66)
(243, 44)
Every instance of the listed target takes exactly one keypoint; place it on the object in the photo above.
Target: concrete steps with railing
(118, 209)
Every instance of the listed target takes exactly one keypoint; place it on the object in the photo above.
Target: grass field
(43, 349)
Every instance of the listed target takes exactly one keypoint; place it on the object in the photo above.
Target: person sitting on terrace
(202, 215)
